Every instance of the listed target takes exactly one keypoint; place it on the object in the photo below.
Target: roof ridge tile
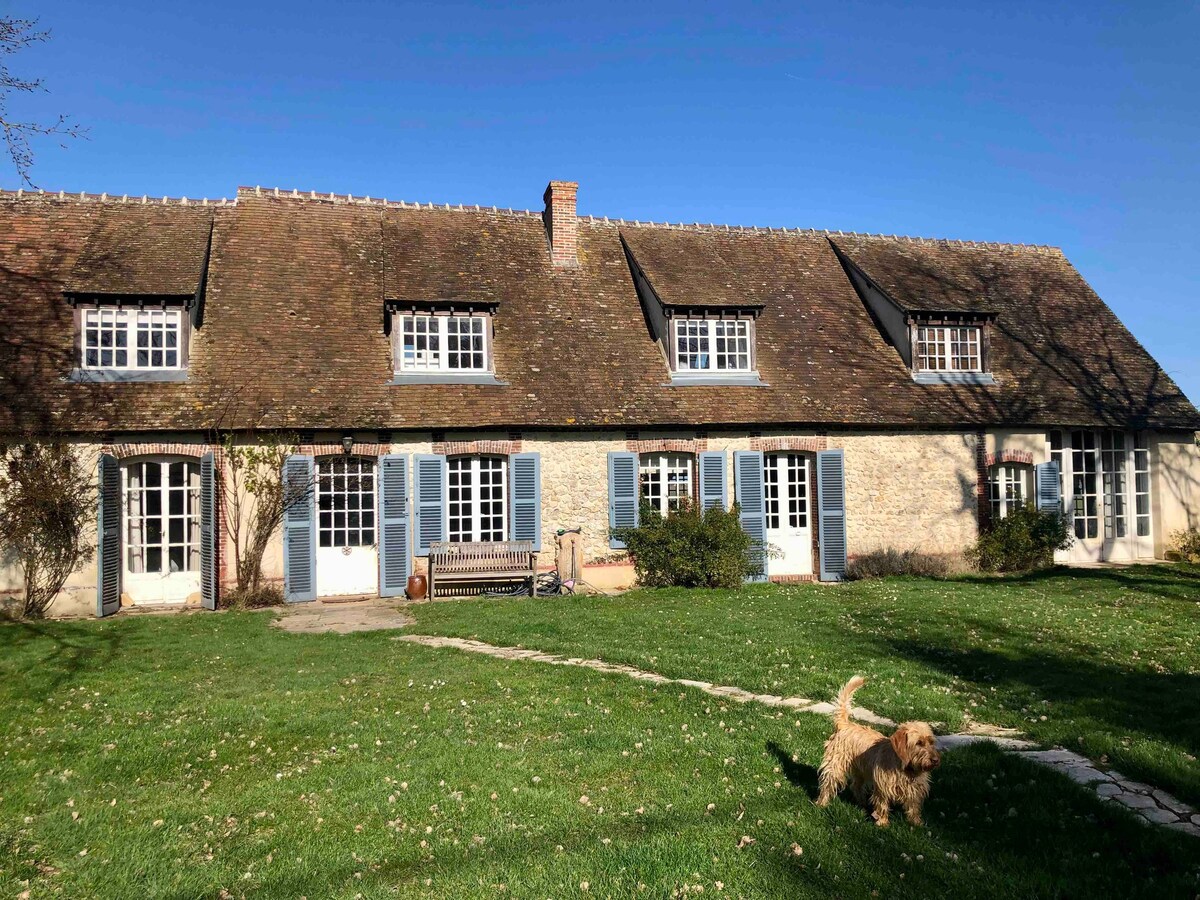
(313, 197)
(105, 197)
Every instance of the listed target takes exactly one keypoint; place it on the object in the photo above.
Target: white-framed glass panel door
(347, 553)
(786, 480)
(161, 506)
(477, 498)
(1106, 481)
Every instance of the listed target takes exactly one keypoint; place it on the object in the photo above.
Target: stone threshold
(1150, 804)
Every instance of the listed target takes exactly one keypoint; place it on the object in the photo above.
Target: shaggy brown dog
(880, 770)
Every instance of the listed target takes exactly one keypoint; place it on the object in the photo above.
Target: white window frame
(136, 518)
(949, 348)
(1009, 486)
(131, 331)
(712, 346)
(659, 481)
(466, 519)
(439, 329)
(346, 501)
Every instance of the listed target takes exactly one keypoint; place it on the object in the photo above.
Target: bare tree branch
(16, 35)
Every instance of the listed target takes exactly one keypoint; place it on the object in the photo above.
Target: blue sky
(1076, 126)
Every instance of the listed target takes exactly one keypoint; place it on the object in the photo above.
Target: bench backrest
(480, 556)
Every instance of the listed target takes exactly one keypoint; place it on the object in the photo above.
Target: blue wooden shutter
(525, 486)
(209, 574)
(752, 507)
(623, 495)
(831, 509)
(394, 556)
(429, 477)
(714, 491)
(108, 536)
(1049, 490)
(299, 530)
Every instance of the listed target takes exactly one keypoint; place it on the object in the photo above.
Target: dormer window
(949, 348)
(712, 345)
(433, 345)
(132, 339)
(442, 343)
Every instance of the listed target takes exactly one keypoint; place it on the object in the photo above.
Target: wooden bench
(482, 561)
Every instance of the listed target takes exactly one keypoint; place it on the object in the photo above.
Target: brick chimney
(562, 228)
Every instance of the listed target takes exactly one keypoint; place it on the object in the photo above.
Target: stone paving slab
(1148, 803)
(342, 618)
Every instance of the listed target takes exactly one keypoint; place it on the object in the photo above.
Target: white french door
(347, 555)
(477, 498)
(786, 479)
(1106, 493)
(162, 530)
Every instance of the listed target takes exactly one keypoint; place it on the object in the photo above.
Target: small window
(949, 348)
(712, 345)
(433, 343)
(666, 480)
(1008, 487)
(123, 338)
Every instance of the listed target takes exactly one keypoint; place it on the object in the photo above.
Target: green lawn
(1102, 661)
(210, 755)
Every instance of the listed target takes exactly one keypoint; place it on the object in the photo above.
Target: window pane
(692, 345)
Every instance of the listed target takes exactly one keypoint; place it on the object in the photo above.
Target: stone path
(342, 617)
(1150, 804)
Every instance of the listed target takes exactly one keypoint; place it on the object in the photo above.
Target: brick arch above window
(1021, 457)
(476, 448)
(794, 444)
(688, 445)
(331, 449)
(128, 451)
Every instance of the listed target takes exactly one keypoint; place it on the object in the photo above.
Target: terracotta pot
(417, 587)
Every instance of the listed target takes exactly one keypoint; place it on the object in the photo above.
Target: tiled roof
(142, 249)
(293, 329)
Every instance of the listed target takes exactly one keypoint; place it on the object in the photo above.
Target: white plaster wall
(78, 597)
(1175, 486)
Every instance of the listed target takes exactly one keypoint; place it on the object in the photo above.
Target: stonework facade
(908, 491)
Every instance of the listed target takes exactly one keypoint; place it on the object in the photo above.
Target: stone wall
(907, 491)
(912, 491)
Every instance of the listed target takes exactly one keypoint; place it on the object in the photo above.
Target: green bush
(882, 563)
(688, 548)
(1024, 539)
(252, 598)
(1187, 545)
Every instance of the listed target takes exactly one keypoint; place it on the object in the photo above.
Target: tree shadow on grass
(70, 649)
(1169, 582)
(1127, 701)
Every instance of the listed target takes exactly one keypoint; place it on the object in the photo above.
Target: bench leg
(429, 596)
(533, 583)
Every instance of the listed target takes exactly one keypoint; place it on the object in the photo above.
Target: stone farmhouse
(457, 373)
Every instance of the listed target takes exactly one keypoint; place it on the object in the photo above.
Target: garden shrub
(882, 563)
(47, 505)
(1024, 539)
(689, 548)
(259, 597)
(1187, 545)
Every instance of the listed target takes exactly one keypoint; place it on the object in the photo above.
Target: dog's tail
(841, 718)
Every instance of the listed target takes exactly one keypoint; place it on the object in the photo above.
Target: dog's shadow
(799, 774)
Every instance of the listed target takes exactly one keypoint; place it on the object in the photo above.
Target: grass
(211, 755)
(1102, 661)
